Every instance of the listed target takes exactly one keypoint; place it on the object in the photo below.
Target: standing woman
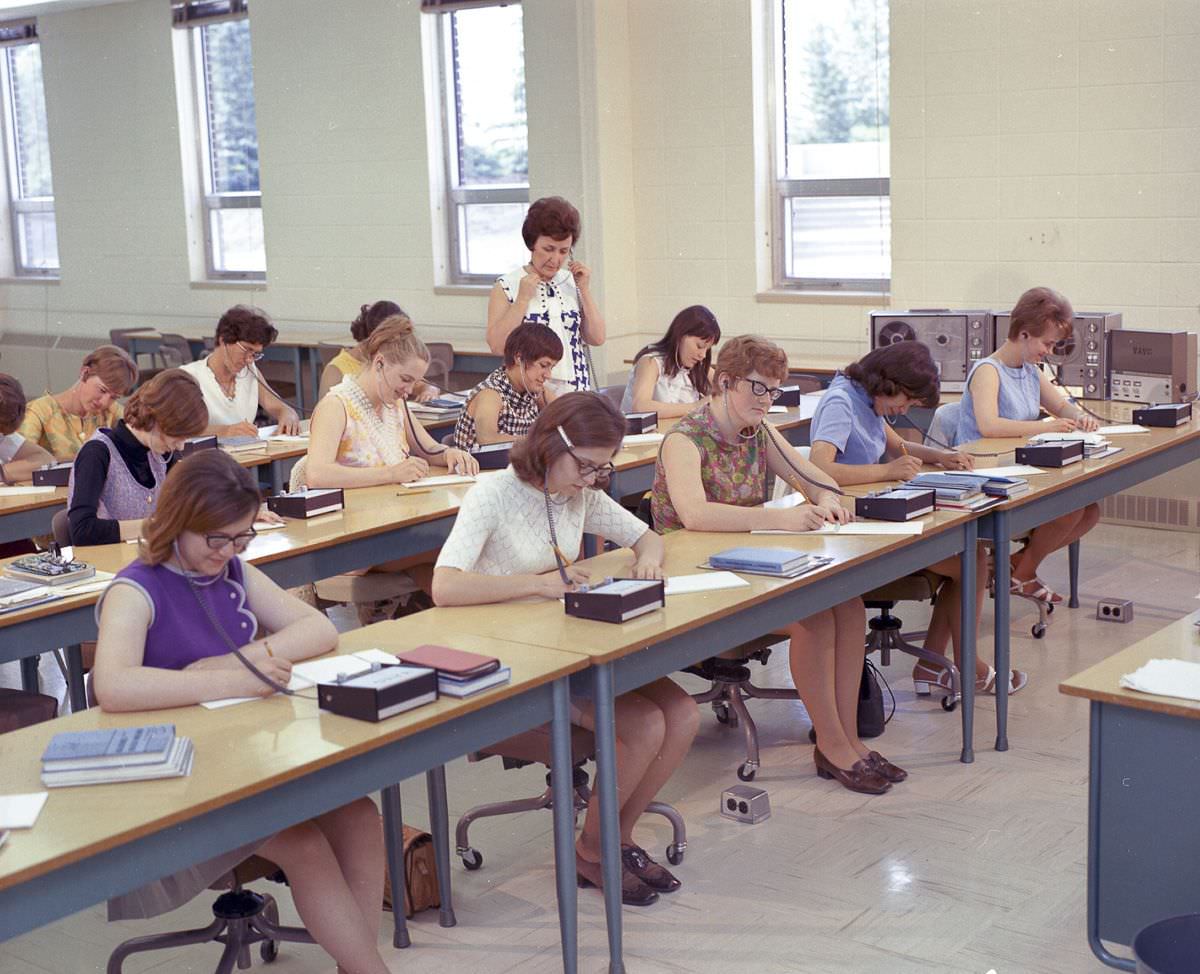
(508, 542)
(232, 385)
(1005, 394)
(854, 444)
(61, 422)
(712, 475)
(671, 376)
(172, 627)
(118, 475)
(553, 289)
(503, 406)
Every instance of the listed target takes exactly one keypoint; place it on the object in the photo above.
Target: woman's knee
(681, 716)
(640, 722)
(302, 844)
(359, 818)
(852, 612)
(1091, 517)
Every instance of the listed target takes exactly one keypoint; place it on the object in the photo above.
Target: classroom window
(832, 216)
(485, 140)
(227, 139)
(27, 144)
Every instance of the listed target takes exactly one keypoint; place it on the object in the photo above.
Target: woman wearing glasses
(514, 537)
(119, 472)
(232, 385)
(171, 627)
(713, 476)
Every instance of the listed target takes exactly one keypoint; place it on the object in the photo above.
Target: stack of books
(783, 562)
(459, 673)
(102, 757)
(446, 405)
(240, 444)
(956, 482)
(956, 492)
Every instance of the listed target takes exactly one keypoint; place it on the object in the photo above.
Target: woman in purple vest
(119, 472)
(169, 626)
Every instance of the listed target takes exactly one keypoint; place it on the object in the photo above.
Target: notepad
(641, 439)
(1166, 678)
(322, 670)
(1120, 430)
(18, 491)
(856, 528)
(21, 811)
(687, 584)
(1012, 470)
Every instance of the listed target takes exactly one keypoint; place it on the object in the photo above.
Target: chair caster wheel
(725, 716)
(674, 854)
(1038, 631)
(746, 773)
(949, 704)
(1049, 608)
(472, 859)
(269, 950)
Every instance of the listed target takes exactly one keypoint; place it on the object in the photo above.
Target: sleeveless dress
(1019, 397)
(675, 388)
(123, 498)
(369, 440)
(555, 304)
(518, 410)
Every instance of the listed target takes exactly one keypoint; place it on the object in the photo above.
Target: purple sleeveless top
(123, 498)
(180, 631)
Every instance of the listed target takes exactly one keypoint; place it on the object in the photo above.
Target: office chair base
(886, 637)
(243, 918)
(728, 699)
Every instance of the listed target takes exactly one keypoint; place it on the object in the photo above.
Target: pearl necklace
(384, 436)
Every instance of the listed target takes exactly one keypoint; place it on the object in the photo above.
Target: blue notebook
(781, 561)
(106, 748)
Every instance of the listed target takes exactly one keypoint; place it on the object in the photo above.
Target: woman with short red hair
(553, 289)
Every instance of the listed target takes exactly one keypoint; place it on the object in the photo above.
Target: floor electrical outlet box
(745, 803)
(1114, 610)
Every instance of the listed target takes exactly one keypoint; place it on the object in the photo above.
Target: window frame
(19, 205)
(456, 195)
(212, 202)
(784, 190)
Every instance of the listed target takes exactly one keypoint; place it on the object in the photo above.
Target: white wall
(1034, 141)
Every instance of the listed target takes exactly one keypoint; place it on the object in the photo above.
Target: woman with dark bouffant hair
(853, 443)
(186, 623)
(513, 538)
(351, 361)
(233, 387)
(1005, 396)
(671, 376)
(553, 289)
(119, 473)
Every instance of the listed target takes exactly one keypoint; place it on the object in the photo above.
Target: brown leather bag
(420, 874)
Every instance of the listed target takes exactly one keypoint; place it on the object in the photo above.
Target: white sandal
(1017, 679)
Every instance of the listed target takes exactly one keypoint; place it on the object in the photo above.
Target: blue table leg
(29, 674)
(439, 826)
(393, 836)
(75, 683)
(1002, 573)
(314, 373)
(1073, 563)
(610, 826)
(1093, 848)
(561, 778)
(967, 623)
(298, 369)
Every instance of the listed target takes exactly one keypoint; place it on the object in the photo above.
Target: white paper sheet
(641, 439)
(21, 811)
(794, 499)
(1013, 470)
(1122, 429)
(447, 480)
(1166, 678)
(857, 528)
(267, 526)
(777, 409)
(314, 671)
(19, 491)
(707, 582)
(1090, 438)
(1104, 453)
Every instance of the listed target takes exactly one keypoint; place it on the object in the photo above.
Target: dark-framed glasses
(240, 542)
(760, 389)
(587, 470)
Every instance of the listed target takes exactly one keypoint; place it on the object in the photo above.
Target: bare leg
(355, 833)
(681, 720)
(850, 626)
(324, 899)
(1051, 536)
(945, 624)
(641, 731)
(812, 660)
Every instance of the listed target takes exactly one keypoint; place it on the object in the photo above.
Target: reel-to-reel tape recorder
(955, 339)
(1081, 360)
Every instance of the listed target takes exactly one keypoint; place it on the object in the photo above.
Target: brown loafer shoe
(885, 768)
(861, 777)
(657, 877)
(633, 891)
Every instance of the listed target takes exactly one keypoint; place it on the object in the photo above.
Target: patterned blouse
(51, 427)
(518, 410)
(368, 440)
(732, 473)
(556, 304)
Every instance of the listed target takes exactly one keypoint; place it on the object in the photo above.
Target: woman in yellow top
(62, 422)
(351, 361)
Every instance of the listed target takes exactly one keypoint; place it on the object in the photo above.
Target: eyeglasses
(240, 542)
(250, 353)
(597, 472)
(760, 389)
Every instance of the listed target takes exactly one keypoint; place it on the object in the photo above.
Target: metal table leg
(610, 827)
(75, 684)
(29, 674)
(1073, 563)
(1003, 570)
(561, 777)
(967, 622)
(393, 835)
(439, 826)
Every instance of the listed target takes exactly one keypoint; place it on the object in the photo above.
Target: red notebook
(457, 663)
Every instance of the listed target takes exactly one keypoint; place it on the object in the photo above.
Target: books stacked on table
(460, 673)
(960, 491)
(782, 562)
(1093, 443)
(241, 444)
(446, 405)
(102, 757)
(46, 568)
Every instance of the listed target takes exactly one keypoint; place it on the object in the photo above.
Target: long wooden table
(268, 764)
(1142, 792)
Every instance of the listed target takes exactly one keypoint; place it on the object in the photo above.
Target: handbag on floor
(420, 874)
(870, 703)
